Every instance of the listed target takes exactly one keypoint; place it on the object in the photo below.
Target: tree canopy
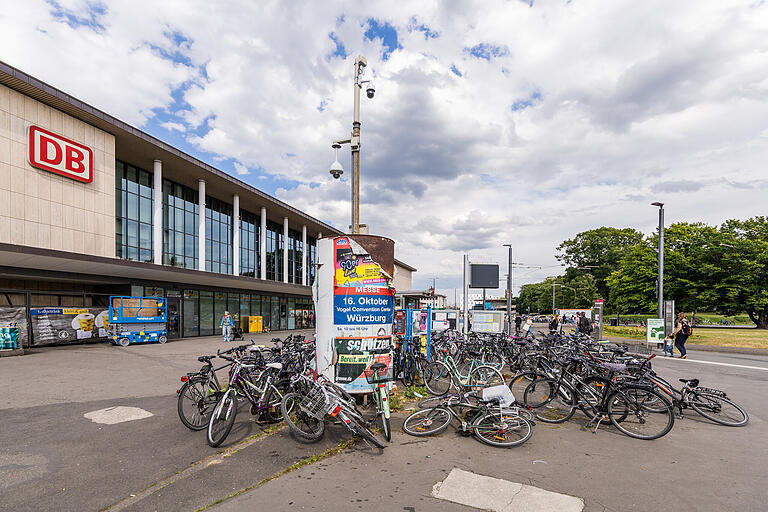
(720, 269)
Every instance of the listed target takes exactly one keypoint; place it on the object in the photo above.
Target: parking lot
(53, 457)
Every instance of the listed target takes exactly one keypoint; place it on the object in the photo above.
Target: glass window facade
(180, 218)
(218, 236)
(311, 260)
(274, 251)
(133, 212)
(250, 226)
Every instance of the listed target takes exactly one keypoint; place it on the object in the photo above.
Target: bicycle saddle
(205, 359)
(378, 366)
(275, 366)
(690, 382)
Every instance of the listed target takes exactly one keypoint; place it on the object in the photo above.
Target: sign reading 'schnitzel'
(54, 153)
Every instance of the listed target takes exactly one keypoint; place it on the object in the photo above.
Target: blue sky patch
(95, 11)
(487, 51)
(456, 70)
(415, 26)
(384, 31)
(530, 101)
(339, 51)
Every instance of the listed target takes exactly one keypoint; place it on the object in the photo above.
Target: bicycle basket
(314, 403)
(376, 376)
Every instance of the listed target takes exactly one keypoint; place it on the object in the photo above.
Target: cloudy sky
(494, 122)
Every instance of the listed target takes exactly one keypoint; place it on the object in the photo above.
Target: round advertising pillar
(354, 305)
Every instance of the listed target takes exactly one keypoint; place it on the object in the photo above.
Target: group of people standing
(583, 324)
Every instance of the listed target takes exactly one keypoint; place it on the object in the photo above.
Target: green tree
(602, 248)
(633, 284)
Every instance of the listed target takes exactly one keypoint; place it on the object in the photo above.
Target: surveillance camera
(336, 173)
(370, 90)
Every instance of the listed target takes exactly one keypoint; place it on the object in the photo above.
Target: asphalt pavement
(54, 458)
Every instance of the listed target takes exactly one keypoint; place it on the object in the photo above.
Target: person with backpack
(226, 326)
(682, 332)
(554, 325)
(518, 323)
(584, 325)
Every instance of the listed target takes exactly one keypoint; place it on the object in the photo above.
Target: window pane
(133, 206)
(145, 206)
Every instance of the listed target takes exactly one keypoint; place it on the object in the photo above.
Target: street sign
(655, 331)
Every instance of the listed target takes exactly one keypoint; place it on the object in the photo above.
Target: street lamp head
(658, 203)
(336, 169)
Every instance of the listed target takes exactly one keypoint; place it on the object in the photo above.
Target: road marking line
(713, 362)
(115, 415)
(497, 495)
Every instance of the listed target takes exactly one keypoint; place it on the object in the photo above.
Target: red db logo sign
(55, 153)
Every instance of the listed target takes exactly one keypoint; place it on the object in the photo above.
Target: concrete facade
(45, 210)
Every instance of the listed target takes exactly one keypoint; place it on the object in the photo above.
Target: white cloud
(171, 126)
(624, 103)
(240, 169)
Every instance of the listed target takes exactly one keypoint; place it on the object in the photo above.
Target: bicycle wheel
(222, 419)
(196, 401)
(386, 426)
(549, 404)
(437, 378)
(629, 413)
(718, 409)
(484, 377)
(427, 422)
(365, 433)
(519, 382)
(300, 423)
(274, 414)
(502, 429)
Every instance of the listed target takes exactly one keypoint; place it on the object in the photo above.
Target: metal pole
(360, 63)
(661, 263)
(553, 295)
(509, 291)
(466, 264)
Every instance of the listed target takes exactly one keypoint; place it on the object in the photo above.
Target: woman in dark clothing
(681, 333)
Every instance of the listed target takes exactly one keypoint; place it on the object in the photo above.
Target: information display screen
(483, 275)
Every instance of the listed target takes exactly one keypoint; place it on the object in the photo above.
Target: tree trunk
(760, 318)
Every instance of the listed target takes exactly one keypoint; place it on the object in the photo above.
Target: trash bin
(255, 324)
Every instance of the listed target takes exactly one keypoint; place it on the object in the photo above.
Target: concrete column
(263, 243)
(201, 225)
(157, 221)
(236, 234)
(304, 255)
(285, 249)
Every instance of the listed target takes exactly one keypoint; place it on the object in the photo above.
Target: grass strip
(293, 467)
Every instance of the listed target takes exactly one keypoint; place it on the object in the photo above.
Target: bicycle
(442, 376)
(636, 410)
(713, 404)
(491, 422)
(376, 375)
(198, 395)
(305, 409)
(240, 384)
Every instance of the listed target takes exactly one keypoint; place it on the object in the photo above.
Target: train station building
(91, 207)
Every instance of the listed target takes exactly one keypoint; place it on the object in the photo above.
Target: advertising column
(355, 305)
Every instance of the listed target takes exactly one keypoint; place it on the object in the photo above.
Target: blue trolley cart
(137, 320)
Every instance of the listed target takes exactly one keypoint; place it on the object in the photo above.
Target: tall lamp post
(660, 279)
(509, 289)
(354, 141)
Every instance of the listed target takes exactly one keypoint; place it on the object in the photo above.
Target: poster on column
(363, 309)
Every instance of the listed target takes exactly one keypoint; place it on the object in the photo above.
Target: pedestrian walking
(681, 333)
(529, 327)
(669, 349)
(554, 325)
(518, 323)
(584, 325)
(226, 326)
